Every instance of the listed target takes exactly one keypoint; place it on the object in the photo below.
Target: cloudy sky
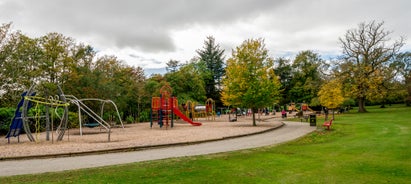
(148, 33)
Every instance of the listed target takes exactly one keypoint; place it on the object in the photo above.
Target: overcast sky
(148, 33)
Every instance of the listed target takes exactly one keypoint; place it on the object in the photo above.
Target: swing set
(40, 109)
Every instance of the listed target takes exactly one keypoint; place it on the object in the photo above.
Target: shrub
(73, 119)
(144, 116)
(130, 119)
(6, 116)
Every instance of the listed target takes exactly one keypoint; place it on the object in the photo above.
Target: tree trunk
(361, 104)
(253, 110)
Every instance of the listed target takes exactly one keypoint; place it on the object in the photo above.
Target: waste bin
(313, 120)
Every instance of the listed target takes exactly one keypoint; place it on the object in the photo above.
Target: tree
(56, 59)
(187, 83)
(250, 79)
(4, 37)
(131, 81)
(80, 76)
(404, 60)
(391, 88)
(284, 71)
(306, 78)
(19, 66)
(213, 57)
(172, 65)
(365, 52)
(330, 95)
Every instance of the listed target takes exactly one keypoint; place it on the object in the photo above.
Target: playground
(168, 126)
(136, 136)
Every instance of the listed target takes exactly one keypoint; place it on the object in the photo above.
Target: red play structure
(164, 107)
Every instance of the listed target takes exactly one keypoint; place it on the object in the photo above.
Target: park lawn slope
(370, 147)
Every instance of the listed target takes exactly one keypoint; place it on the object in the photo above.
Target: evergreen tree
(284, 71)
(213, 57)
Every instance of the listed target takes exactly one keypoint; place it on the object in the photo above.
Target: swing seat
(92, 125)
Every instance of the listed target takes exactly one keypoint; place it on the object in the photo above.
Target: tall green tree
(213, 56)
(19, 66)
(172, 65)
(284, 71)
(306, 77)
(106, 71)
(56, 59)
(187, 82)
(80, 76)
(404, 60)
(366, 50)
(131, 82)
(250, 79)
(55, 63)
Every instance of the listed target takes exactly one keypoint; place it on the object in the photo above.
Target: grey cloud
(144, 59)
(143, 24)
(147, 25)
(9, 8)
(135, 56)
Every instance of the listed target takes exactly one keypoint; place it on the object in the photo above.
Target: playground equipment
(195, 112)
(60, 103)
(17, 122)
(305, 112)
(210, 109)
(164, 107)
(292, 108)
(99, 119)
(305, 107)
(189, 109)
(22, 117)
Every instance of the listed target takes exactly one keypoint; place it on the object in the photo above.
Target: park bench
(328, 124)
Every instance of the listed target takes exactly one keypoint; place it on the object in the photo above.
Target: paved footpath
(286, 133)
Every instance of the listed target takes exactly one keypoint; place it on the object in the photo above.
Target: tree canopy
(213, 57)
(250, 79)
(306, 77)
(404, 61)
(330, 94)
(366, 51)
(370, 70)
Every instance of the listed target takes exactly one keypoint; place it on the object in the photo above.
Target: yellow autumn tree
(330, 95)
(250, 80)
(367, 51)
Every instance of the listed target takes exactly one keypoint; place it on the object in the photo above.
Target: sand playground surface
(135, 136)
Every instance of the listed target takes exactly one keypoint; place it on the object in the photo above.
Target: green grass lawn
(371, 147)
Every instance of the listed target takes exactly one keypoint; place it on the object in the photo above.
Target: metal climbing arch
(57, 101)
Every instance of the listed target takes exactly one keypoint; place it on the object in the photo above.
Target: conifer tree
(213, 56)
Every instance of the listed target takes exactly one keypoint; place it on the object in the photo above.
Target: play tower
(164, 107)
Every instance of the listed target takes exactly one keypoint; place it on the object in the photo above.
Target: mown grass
(371, 147)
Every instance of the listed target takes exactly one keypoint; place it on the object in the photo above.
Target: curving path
(286, 133)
